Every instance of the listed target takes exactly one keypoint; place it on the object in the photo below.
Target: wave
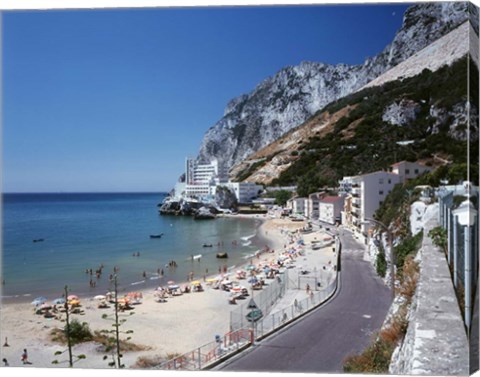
(248, 243)
(248, 238)
(138, 282)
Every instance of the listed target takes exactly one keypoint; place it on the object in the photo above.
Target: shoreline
(263, 239)
(180, 325)
(153, 279)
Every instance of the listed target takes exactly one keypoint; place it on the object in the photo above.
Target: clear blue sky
(114, 100)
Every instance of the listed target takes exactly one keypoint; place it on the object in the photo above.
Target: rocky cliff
(294, 94)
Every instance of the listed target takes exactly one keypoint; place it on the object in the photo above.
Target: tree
(69, 331)
(113, 342)
(281, 197)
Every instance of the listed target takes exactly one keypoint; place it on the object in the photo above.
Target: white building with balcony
(367, 193)
(200, 178)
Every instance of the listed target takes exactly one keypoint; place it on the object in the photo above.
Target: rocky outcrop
(225, 198)
(294, 94)
(401, 113)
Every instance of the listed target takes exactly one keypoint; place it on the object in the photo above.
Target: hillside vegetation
(363, 141)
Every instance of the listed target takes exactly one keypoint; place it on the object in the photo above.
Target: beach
(179, 325)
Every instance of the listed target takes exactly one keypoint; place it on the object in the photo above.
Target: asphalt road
(322, 339)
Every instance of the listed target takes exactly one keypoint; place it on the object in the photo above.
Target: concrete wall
(436, 342)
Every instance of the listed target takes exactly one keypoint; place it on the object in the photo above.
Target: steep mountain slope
(294, 94)
(269, 162)
(423, 118)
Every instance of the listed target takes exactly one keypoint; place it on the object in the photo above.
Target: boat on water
(222, 255)
(39, 240)
(207, 245)
(156, 235)
(195, 257)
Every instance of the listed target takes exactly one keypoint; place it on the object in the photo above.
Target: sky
(114, 100)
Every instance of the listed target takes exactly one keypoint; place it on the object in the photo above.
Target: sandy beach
(179, 325)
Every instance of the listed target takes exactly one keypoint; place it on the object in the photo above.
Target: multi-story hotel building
(367, 192)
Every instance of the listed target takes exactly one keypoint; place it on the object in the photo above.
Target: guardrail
(222, 348)
(210, 353)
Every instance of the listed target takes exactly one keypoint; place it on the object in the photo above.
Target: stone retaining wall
(436, 342)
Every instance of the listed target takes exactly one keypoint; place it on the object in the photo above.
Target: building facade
(408, 170)
(367, 193)
(330, 209)
(245, 192)
(200, 179)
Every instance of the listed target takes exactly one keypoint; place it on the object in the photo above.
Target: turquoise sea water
(83, 231)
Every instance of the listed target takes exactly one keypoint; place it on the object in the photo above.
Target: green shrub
(79, 332)
(381, 264)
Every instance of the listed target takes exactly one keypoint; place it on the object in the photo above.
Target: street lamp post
(390, 246)
(466, 217)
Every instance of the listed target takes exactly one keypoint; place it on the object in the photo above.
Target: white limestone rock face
(288, 98)
(401, 113)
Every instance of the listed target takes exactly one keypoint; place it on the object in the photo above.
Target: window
(407, 171)
(389, 181)
(380, 181)
(416, 171)
(380, 192)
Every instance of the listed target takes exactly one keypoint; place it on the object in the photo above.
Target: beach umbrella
(72, 297)
(170, 282)
(211, 280)
(252, 280)
(74, 302)
(100, 297)
(173, 286)
(39, 300)
(196, 282)
(59, 301)
(250, 267)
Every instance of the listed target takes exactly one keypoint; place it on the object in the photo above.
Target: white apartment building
(312, 205)
(297, 205)
(245, 192)
(330, 209)
(200, 179)
(368, 191)
(408, 170)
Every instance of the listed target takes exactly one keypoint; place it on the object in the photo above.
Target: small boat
(197, 256)
(207, 245)
(222, 255)
(156, 235)
(39, 240)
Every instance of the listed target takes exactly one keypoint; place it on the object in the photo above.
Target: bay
(87, 230)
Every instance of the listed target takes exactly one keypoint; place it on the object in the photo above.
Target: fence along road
(282, 301)
(321, 340)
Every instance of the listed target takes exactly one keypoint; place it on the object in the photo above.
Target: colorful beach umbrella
(72, 297)
(100, 297)
(196, 282)
(39, 300)
(170, 282)
(58, 301)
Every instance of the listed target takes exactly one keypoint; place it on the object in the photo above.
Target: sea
(83, 231)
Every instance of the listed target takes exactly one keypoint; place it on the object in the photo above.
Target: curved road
(322, 339)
